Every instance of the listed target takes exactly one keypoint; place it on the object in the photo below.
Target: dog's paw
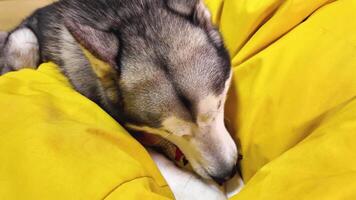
(18, 50)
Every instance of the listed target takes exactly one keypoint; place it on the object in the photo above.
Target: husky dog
(163, 68)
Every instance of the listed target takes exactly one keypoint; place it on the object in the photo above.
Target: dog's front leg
(186, 185)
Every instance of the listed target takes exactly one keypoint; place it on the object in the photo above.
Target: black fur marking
(187, 104)
(219, 104)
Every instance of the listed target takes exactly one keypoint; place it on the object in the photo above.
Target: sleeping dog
(156, 66)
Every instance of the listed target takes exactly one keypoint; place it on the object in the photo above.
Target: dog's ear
(199, 14)
(102, 44)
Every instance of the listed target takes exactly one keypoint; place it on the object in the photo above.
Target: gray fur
(3, 36)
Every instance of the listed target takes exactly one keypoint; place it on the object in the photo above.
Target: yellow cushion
(56, 144)
(292, 103)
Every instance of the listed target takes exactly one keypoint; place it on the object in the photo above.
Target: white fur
(22, 49)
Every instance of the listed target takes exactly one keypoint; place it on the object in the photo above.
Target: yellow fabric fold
(292, 102)
(56, 144)
(322, 166)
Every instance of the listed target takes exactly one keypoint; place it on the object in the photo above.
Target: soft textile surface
(292, 104)
(292, 108)
(56, 144)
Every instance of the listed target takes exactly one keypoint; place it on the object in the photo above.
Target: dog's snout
(224, 175)
(218, 180)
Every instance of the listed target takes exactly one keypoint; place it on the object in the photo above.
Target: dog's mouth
(167, 148)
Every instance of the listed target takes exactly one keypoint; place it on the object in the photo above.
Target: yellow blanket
(292, 108)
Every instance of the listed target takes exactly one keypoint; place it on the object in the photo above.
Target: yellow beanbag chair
(56, 144)
(291, 107)
(292, 104)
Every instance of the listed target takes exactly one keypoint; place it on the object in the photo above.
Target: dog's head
(171, 74)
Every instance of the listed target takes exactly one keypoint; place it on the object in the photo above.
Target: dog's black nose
(219, 180)
(224, 176)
